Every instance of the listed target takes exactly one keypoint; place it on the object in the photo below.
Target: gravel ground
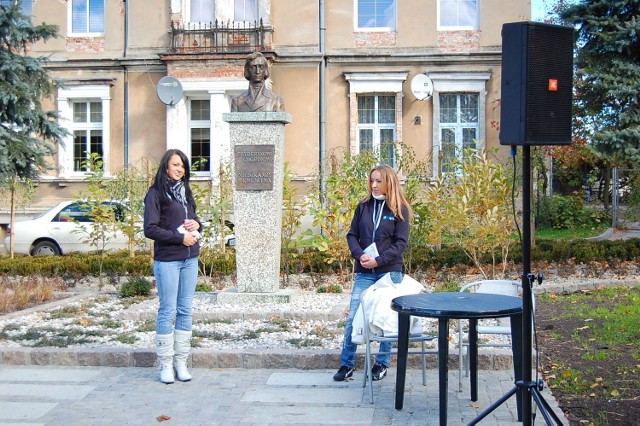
(102, 319)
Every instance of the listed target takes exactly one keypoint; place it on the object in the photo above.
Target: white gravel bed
(95, 321)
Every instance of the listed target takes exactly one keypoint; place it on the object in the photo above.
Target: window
(87, 132)
(459, 114)
(206, 11)
(459, 126)
(84, 112)
(458, 14)
(376, 125)
(26, 7)
(200, 134)
(245, 10)
(87, 16)
(376, 14)
(375, 102)
(202, 11)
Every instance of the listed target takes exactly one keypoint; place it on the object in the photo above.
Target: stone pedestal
(257, 158)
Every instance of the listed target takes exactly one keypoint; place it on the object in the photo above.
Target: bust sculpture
(258, 97)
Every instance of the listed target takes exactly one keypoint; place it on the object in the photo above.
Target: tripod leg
(493, 406)
(545, 408)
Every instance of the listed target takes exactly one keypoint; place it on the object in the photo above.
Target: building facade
(344, 67)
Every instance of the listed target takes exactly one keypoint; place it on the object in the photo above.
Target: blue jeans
(361, 283)
(176, 283)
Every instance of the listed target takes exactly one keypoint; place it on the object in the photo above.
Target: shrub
(470, 204)
(204, 287)
(135, 287)
(330, 288)
(570, 212)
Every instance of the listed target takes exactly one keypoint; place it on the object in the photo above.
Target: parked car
(61, 230)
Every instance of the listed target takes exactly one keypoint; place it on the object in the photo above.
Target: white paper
(182, 230)
(372, 250)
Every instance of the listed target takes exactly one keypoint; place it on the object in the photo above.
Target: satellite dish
(421, 87)
(169, 90)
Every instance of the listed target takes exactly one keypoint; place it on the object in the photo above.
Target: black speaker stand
(534, 390)
(526, 388)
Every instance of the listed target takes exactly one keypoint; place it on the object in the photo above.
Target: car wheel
(45, 248)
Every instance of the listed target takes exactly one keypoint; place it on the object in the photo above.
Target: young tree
(27, 133)
(608, 73)
(471, 207)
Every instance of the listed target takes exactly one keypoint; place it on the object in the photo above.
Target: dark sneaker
(342, 374)
(378, 372)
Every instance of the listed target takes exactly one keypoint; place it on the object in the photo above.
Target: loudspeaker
(537, 84)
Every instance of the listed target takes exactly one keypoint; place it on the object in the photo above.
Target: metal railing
(220, 37)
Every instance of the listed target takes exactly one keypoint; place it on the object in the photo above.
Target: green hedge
(77, 265)
(422, 258)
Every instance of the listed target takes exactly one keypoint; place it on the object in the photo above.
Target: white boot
(164, 350)
(182, 346)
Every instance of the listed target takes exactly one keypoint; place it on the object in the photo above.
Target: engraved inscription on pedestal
(254, 167)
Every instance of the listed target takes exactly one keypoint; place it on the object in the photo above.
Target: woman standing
(170, 220)
(377, 240)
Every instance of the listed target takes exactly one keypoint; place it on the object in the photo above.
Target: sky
(537, 10)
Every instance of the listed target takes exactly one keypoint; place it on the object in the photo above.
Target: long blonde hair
(392, 189)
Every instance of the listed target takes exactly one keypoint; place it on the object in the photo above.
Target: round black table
(456, 305)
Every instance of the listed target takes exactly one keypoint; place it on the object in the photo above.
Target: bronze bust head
(258, 97)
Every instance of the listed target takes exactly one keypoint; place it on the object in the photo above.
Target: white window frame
(380, 83)
(200, 124)
(358, 28)
(187, 14)
(377, 127)
(452, 83)
(87, 33)
(220, 94)
(66, 97)
(86, 128)
(458, 127)
(224, 11)
(443, 27)
(255, 11)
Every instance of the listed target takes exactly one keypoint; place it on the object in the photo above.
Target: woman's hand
(368, 261)
(189, 239)
(191, 225)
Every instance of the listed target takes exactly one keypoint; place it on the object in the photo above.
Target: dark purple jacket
(392, 237)
(162, 218)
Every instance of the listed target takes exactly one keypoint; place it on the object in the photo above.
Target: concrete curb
(207, 358)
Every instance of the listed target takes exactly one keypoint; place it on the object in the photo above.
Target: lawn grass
(569, 234)
(599, 361)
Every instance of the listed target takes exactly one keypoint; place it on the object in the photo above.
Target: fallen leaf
(476, 405)
(615, 393)
(163, 418)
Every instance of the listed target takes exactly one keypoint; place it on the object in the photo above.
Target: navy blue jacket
(392, 236)
(162, 218)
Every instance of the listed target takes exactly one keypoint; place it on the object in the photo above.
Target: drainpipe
(323, 112)
(126, 87)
